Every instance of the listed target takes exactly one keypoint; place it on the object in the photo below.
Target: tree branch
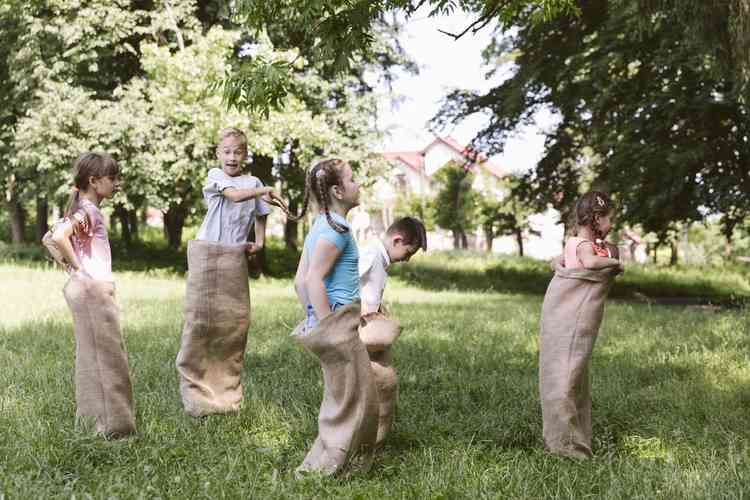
(483, 21)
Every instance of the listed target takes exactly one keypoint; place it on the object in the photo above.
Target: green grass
(671, 388)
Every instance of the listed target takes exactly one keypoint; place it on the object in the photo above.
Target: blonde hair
(232, 132)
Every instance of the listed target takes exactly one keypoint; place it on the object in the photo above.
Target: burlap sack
(104, 396)
(571, 314)
(378, 332)
(386, 382)
(348, 420)
(217, 316)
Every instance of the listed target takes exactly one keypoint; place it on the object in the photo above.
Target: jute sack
(571, 314)
(386, 381)
(348, 420)
(104, 396)
(217, 316)
(378, 332)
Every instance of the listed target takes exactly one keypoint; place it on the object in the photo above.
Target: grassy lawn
(670, 386)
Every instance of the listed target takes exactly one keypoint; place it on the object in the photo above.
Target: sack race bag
(571, 315)
(378, 333)
(104, 396)
(217, 317)
(348, 420)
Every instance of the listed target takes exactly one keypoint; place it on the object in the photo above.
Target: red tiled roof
(415, 159)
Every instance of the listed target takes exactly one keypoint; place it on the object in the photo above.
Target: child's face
(399, 251)
(232, 153)
(105, 187)
(349, 188)
(605, 223)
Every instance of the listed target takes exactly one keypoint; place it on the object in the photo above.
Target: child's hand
(620, 268)
(252, 248)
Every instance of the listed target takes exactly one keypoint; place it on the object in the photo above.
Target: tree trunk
(174, 221)
(456, 239)
(42, 214)
(728, 247)
(17, 217)
(673, 252)
(464, 240)
(133, 223)
(263, 169)
(258, 263)
(490, 237)
(291, 232)
(519, 241)
(122, 217)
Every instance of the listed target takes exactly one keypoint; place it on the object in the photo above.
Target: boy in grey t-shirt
(234, 200)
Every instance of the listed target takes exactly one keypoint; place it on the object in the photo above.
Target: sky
(446, 64)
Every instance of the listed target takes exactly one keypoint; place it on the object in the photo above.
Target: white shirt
(228, 221)
(373, 262)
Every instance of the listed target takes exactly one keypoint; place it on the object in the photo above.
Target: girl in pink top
(593, 220)
(104, 397)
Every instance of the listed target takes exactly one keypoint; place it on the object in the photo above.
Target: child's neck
(92, 197)
(586, 233)
(340, 209)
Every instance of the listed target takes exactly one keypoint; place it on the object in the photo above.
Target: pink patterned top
(570, 254)
(90, 241)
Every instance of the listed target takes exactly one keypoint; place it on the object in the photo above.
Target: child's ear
(336, 191)
(397, 239)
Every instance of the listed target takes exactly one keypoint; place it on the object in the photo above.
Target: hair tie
(320, 173)
(600, 201)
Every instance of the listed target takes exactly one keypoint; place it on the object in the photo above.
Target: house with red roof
(412, 174)
(414, 169)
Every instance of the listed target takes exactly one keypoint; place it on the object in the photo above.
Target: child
(571, 315)
(217, 299)
(104, 397)
(402, 240)
(327, 285)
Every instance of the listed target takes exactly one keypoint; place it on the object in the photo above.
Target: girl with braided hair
(327, 276)
(327, 284)
(572, 312)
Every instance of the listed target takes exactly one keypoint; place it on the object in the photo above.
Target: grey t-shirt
(227, 221)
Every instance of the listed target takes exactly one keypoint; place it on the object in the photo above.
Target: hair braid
(323, 197)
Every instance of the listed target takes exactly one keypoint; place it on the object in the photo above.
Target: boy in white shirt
(404, 238)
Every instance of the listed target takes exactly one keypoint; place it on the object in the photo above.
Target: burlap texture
(378, 332)
(348, 420)
(104, 395)
(386, 382)
(571, 315)
(217, 317)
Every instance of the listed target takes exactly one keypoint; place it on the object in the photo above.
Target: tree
(456, 201)
(505, 216)
(46, 43)
(340, 34)
(668, 134)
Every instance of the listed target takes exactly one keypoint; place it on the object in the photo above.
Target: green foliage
(456, 201)
(339, 36)
(659, 118)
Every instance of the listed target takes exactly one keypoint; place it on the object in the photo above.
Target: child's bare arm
(321, 262)
(244, 194)
(590, 260)
(260, 235)
(299, 281)
(61, 238)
